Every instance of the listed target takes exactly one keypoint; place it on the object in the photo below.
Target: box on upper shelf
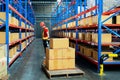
(105, 37)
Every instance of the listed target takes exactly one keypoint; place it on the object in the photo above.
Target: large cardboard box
(3, 37)
(3, 67)
(59, 43)
(87, 51)
(104, 17)
(68, 63)
(90, 21)
(12, 51)
(2, 50)
(3, 17)
(54, 53)
(80, 35)
(83, 36)
(69, 53)
(82, 49)
(58, 64)
(95, 55)
(106, 38)
(118, 19)
(88, 36)
(73, 34)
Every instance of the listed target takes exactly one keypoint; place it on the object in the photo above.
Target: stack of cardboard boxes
(60, 56)
(3, 61)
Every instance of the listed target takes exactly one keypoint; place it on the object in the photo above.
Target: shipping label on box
(59, 43)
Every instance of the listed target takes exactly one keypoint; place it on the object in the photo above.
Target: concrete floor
(28, 67)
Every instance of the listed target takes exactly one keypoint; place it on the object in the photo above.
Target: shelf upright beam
(76, 19)
(100, 9)
(7, 32)
(20, 31)
(26, 17)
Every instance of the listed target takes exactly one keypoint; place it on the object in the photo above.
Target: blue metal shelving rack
(70, 16)
(23, 11)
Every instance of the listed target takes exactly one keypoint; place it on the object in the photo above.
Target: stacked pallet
(59, 56)
(3, 61)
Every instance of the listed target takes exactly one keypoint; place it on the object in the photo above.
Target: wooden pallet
(4, 78)
(63, 73)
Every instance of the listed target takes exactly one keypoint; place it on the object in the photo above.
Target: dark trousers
(45, 44)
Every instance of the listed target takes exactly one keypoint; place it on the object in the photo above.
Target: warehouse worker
(45, 35)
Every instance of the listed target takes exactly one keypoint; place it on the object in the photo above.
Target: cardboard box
(54, 53)
(3, 67)
(90, 21)
(118, 19)
(3, 17)
(68, 53)
(59, 43)
(104, 17)
(106, 38)
(12, 51)
(80, 36)
(83, 36)
(82, 49)
(3, 37)
(88, 36)
(87, 51)
(2, 50)
(60, 53)
(60, 64)
(95, 55)
(68, 63)
(73, 34)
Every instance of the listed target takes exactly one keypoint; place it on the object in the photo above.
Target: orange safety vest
(45, 34)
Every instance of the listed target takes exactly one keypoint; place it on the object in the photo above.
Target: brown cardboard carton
(118, 19)
(59, 43)
(2, 50)
(3, 67)
(68, 63)
(54, 64)
(88, 36)
(87, 51)
(106, 38)
(58, 64)
(69, 53)
(3, 37)
(95, 55)
(54, 53)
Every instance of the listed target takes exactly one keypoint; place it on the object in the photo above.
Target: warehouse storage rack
(78, 10)
(17, 17)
